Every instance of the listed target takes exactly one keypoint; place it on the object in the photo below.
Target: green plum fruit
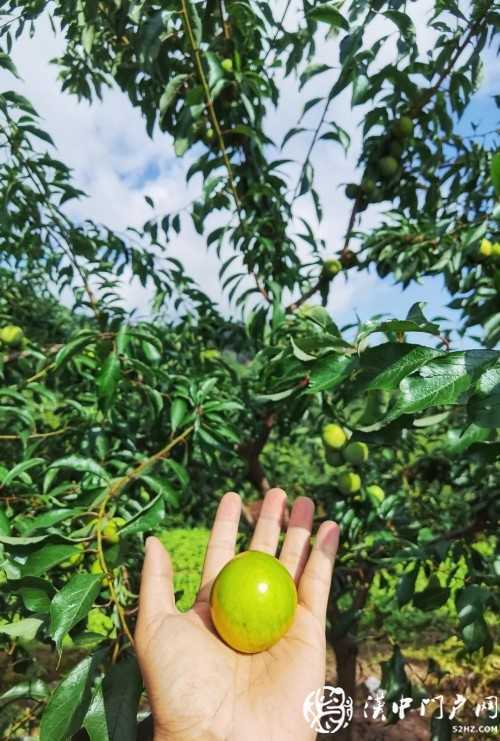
(349, 483)
(331, 268)
(352, 191)
(402, 127)
(388, 166)
(253, 602)
(110, 531)
(11, 335)
(334, 436)
(356, 453)
(376, 492)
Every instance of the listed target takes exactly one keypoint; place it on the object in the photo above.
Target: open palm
(199, 687)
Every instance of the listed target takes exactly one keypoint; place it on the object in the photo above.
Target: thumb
(156, 598)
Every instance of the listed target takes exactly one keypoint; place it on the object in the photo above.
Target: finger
(156, 598)
(222, 543)
(314, 585)
(268, 528)
(297, 540)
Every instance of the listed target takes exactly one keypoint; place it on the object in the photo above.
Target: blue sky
(117, 164)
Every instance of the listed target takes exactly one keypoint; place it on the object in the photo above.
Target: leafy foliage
(112, 427)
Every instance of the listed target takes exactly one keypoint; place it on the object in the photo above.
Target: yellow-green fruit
(334, 436)
(75, 559)
(485, 248)
(495, 250)
(356, 453)
(11, 335)
(331, 268)
(210, 354)
(349, 483)
(227, 65)
(376, 492)
(110, 532)
(334, 458)
(388, 166)
(253, 602)
(99, 622)
(96, 568)
(402, 127)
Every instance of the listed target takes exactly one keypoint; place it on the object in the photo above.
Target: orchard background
(133, 394)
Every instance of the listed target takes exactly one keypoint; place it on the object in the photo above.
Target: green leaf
(46, 520)
(414, 322)
(24, 629)
(35, 593)
(432, 597)
(148, 519)
(177, 413)
(72, 348)
(329, 14)
(406, 587)
(68, 705)
(385, 366)
(34, 689)
(495, 172)
(484, 406)
(82, 465)
(15, 472)
(72, 604)
(215, 71)
(171, 91)
(361, 90)
(329, 371)
(107, 380)
(112, 715)
(46, 557)
(4, 523)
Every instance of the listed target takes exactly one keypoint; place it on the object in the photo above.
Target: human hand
(200, 688)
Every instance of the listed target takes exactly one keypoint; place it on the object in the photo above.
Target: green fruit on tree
(402, 127)
(210, 354)
(495, 250)
(12, 335)
(99, 622)
(227, 65)
(96, 568)
(334, 436)
(253, 602)
(349, 483)
(75, 559)
(356, 453)
(485, 248)
(388, 166)
(110, 531)
(352, 191)
(376, 492)
(331, 268)
(368, 185)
